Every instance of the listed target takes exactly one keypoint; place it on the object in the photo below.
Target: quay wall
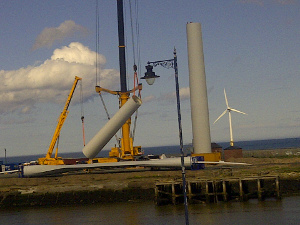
(60, 192)
(135, 184)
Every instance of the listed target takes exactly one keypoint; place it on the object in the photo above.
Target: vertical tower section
(124, 94)
(198, 90)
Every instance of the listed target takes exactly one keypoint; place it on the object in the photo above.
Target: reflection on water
(286, 211)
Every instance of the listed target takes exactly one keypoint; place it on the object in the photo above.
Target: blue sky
(251, 48)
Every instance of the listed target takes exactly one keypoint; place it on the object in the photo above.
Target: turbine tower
(229, 109)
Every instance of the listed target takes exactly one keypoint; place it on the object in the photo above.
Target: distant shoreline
(254, 145)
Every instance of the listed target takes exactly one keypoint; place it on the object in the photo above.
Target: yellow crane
(48, 160)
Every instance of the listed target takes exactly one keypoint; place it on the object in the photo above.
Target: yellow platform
(211, 157)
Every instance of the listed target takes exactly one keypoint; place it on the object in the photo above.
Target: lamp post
(150, 78)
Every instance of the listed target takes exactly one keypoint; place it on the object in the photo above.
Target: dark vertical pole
(122, 59)
(5, 155)
(180, 138)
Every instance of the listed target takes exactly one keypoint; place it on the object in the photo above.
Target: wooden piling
(219, 189)
(278, 194)
(259, 189)
(224, 191)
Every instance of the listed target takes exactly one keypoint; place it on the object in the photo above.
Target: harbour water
(285, 211)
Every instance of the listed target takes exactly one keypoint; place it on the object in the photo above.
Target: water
(285, 211)
(246, 145)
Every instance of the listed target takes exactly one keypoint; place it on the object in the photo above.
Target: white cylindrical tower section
(198, 90)
(111, 127)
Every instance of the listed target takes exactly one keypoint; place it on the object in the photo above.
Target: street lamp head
(149, 75)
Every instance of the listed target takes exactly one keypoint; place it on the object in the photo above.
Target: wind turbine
(229, 109)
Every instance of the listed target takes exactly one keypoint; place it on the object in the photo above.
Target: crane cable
(108, 117)
(56, 150)
(97, 41)
(82, 112)
(97, 65)
(136, 113)
(136, 54)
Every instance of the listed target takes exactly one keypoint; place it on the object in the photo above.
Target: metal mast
(122, 59)
(124, 94)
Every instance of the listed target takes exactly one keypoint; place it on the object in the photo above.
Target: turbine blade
(220, 116)
(238, 111)
(226, 99)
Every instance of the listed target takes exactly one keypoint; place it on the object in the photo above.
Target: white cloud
(77, 53)
(51, 81)
(286, 2)
(51, 34)
(256, 2)
(183, 92)
(263, 2)
(149, 98)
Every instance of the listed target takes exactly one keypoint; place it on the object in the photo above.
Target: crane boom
(48, 159)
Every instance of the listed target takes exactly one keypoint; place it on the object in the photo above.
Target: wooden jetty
(214, 190)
